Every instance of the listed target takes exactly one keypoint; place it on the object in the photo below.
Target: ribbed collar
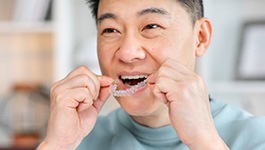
(143, 132)
(161, 133)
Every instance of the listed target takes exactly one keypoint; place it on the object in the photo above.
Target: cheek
(104, 58)
(181, 49)
(158, 49)
(188, 52)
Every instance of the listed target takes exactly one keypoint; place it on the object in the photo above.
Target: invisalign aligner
(127, 92)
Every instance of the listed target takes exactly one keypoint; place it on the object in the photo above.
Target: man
(155, 43)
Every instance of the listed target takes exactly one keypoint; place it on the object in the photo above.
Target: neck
(156, 120)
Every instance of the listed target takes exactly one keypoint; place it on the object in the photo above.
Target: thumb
(103, 96)
(105, 81)
(152, 78)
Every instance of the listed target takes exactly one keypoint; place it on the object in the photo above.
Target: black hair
(193, 7)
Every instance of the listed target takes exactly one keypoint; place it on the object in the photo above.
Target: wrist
(208, 142)
(45, 145)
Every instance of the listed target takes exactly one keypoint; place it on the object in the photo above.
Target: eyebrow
(106, 16)
(152, 10)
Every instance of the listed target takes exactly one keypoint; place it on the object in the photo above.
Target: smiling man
(147, 49)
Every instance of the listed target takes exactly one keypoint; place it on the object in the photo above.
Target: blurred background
(41, 41)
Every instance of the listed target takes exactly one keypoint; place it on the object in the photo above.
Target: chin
(139, 105)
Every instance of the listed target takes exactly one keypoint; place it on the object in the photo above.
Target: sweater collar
(161, 133)
(143, 132)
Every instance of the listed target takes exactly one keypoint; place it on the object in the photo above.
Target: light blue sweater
(118, 131)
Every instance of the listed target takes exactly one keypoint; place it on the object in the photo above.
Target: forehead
(131, 7)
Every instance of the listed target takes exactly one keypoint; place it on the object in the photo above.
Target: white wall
(227, 19)
(218, 66)
(254, 9)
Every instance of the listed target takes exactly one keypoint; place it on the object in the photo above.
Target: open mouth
(130, 81)
(135, 83)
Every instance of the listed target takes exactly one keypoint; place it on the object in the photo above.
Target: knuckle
(54, 90)
(162, 72)
(90, 102)
(56, 93)
(82, 69)
(85, 91)
(56, 98)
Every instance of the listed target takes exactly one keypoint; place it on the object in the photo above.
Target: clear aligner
(127, 92)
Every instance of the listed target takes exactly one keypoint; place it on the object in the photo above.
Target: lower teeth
(127, 92)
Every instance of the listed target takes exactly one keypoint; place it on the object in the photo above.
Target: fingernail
(151, 78)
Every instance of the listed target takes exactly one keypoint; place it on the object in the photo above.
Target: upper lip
(131, 74)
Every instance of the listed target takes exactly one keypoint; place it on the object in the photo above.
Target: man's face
(135, 37)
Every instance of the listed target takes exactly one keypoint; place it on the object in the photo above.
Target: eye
(152, 30)
(109, 30)
(151, 26)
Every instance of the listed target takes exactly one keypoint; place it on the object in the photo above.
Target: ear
(204, 35)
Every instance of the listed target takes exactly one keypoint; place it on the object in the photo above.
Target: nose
(130, 50)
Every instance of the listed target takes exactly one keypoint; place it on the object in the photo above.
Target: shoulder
(248, 133)
(251, 128)
(238, 128)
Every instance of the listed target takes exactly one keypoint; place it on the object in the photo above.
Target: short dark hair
(193, 7)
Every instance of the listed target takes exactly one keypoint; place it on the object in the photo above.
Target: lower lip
(141, 90)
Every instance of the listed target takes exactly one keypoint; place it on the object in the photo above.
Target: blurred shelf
(25, 27)
(238, 87)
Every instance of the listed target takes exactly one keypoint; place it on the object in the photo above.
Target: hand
(186, 96)
(76, 102)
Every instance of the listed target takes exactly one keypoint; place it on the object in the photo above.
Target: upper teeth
(133, 77)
